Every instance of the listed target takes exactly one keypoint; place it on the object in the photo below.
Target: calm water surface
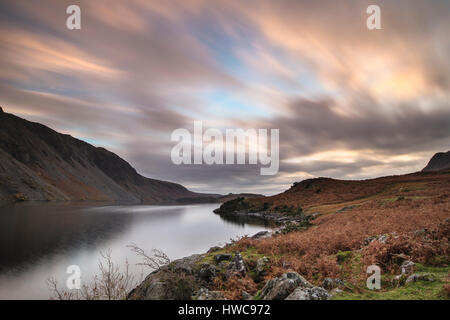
(40, 241)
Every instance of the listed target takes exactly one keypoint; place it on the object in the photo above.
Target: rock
(205, 294)
(173, 281)
(382, 238)
(280, 288)
(245, 295)
(222, 257)
(262, 235)
(237, 267)
(207, 272)
(1, 110)
(330, 283)
(262, 266)
(214, 249)
(315, 293)
(407, 267)
(420, 277)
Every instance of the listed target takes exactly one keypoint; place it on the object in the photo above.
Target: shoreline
(200, 269)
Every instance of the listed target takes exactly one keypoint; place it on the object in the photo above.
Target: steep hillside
(38, 163)
(440, 161)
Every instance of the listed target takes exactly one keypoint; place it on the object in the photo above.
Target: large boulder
(176, 281)
(315, 293)
(280, 288)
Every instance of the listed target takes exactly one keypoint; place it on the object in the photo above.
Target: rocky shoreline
(196, 277)
(192, 277)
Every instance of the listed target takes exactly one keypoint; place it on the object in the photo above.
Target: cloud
(349, 102)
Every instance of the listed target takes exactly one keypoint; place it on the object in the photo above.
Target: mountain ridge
(440, 161)
(37, 163)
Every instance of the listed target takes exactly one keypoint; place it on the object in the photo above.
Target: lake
(38, 242)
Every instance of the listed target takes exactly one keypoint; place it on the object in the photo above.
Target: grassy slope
(349, 212)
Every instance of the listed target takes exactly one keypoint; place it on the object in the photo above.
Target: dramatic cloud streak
(349, 102)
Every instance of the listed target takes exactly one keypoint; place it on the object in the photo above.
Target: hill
(38, 163)
(440, 161)
(332, 230)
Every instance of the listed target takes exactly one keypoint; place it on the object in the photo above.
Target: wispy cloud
(349, 102)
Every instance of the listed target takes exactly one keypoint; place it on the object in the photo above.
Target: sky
(350, 103)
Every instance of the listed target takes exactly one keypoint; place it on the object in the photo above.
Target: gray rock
(382, 238)
(420, 277)
(205, 294)
(407, 267)
(262, 235)
(207, 272)
(245, 295)
(157, 287)
(280, 288)
(237, 267)
(222, 257)
(315, 293)
(262, 266)
(331, 283)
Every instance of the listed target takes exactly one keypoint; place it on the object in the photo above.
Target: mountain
(440, 161)
(38, 163)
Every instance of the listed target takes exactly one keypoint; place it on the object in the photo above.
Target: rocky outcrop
(180, 280)
(280, 288)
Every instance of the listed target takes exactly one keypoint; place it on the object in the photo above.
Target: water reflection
(40, 241)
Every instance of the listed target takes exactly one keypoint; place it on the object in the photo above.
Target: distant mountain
(440, 161)
(38, 163)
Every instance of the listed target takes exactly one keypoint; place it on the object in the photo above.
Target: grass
(420, 290)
